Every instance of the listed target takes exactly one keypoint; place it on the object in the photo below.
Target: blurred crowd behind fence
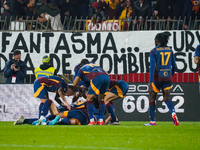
(81, 25)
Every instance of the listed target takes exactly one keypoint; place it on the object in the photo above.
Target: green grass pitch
(130, 135)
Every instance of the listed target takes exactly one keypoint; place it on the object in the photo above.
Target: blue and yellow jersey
(79, 105)
(90, 71)
(53, 83)
(118, 87)
(82, 82)
(162, 64)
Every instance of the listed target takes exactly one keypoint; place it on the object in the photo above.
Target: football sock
(170, 105)
(111, 111)
(40, 108)
(50, 117)
(65, 121)
(29, 121)
(90, 109)
(152, 113)
(101, 109)
(45, 108)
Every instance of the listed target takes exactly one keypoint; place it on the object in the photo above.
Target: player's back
(164, 60)
(90, 71)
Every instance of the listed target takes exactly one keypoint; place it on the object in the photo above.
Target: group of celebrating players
(95, 85)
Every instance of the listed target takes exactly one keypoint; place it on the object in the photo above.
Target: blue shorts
(80, 117)
(120, 89)
(99, 85)
(157, 86)
(40, 90)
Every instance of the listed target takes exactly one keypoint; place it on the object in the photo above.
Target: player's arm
(75, 83)
(196, 59)
(197, 54)
(57, 99)
(152, 68)
(60, 92)
(173, 65)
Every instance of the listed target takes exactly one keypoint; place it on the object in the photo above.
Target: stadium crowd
(61, 11)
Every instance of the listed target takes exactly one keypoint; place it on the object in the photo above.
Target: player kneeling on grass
(162, 69)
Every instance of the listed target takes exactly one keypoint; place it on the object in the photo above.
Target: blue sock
(101, 109)
(170, 105)
(111, 111)
(65, 121)
(50, 117)
(45, 108)
(152, 109)
(29, 121)
(90, 109)
(40, 108)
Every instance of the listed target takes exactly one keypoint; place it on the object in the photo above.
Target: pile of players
(91, 82)
(94, 83)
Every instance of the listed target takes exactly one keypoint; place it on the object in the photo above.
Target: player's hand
(68, 106)
(150, 86)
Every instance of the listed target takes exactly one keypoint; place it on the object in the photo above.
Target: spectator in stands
(45, 69)
(163, 9)
(141, 11)
(110, 6)
(191, 11)
(15, 69)
(17, 9)
(99, 15)
(83, 8)
(65, 11)
(178, 6)
(120, 7)
(127, 11)
(6, 15)
(49, 13)
(91, 10)
(30, 11)
(126, 14)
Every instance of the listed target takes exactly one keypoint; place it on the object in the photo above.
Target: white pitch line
(66, 147)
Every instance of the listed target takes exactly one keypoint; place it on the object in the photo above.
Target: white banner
(115, 52)
(18, 100)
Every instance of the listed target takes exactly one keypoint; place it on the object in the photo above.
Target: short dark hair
(17, 52)
(84, 62)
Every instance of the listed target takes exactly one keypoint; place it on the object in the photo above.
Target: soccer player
(55, 84)
(162, 68)
(196, 61)
(99, 83)
(117, 89)
(76, 116)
